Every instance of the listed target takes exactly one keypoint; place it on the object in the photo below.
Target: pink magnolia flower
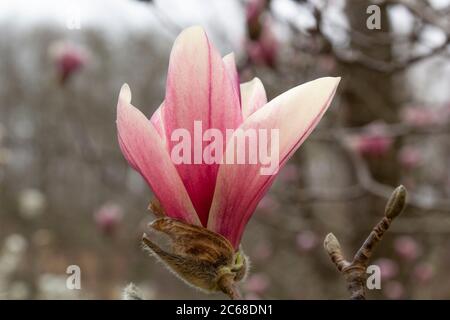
(420, 116)
(410, 157)
(108, 217)
(375, 142)
(423, 272)
(407, 247)
(252, 296)
(254, 10)
(201, 86)
(307, 240)
(262, 44)
(264, 50)
(262, 251)
(388, 268)
(394, 290)
(68, 57)
(257, 283)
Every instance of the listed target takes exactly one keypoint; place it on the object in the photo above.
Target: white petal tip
(327, 82)
(336, 80)
(125, 93)
(229, 56)
(194, 31)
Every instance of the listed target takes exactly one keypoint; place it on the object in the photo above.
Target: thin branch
(357, 57)
(374, 187)
(348, 56)
(354, 272)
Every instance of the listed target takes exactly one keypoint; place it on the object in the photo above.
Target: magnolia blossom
(410, 157)
(374, 142)
(394, 290)
(108, 217)
(257, 283)
(264, 50)
(420, 116)
(388, 267)
(307, 240)
(262, 44)
(407, 247)
(201, 86)
(68, 57)
(423, 272)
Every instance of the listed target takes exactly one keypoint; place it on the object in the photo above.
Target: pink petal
(198, 88)
(158, 123)
(240, 187)
(230, 64)
(142, 147)
(253, 97)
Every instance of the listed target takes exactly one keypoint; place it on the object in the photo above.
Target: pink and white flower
(374, 142)
(201, 86)
(108, 217)
(407, 248)
(410, 157)
(68, 58)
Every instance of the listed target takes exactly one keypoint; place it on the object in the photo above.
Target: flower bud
(202, 258)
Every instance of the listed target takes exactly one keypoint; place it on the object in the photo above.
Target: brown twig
(354, 272)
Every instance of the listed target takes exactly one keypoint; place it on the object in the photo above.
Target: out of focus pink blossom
(108, 217)
(407, 248)
(257, 283)
(253, 10)
(423, 272)
(262, 251)
(375, 142)
(68, 58)
(394, 290)
(252, 296)
(410, 157)
(307, 240)
(264, 50)
(262, 44)
(388, 268)
(419, 116)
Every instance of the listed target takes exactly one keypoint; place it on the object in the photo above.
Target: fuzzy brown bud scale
(202, 258)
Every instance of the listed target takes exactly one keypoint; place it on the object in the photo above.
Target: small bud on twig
(396, 202)
(354, 272)
(331, 243)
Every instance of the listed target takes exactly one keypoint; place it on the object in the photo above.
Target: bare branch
(354, 272)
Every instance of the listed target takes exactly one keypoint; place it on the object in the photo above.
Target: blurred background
(67, 196)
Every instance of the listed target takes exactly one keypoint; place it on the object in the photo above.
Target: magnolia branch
(354, 272)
